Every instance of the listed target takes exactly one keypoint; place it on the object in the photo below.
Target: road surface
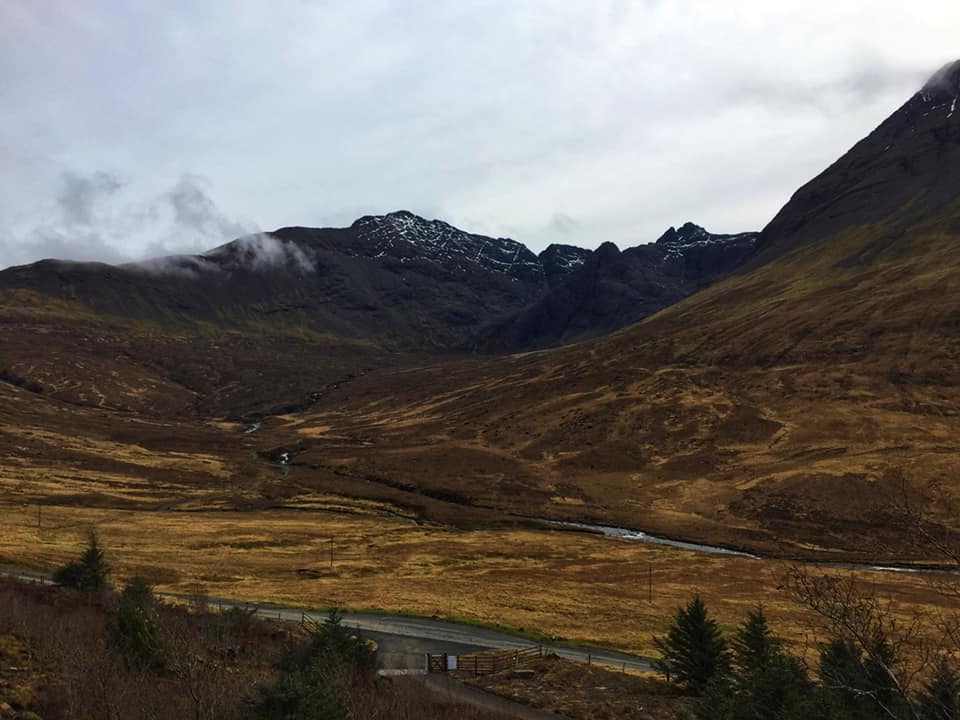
(403, 639)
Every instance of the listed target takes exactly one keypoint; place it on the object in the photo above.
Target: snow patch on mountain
(404, 235)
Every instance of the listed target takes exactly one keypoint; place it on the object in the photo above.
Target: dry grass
(572, 585)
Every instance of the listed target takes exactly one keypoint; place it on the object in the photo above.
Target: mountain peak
(687, 233)
(403, 236)
(946, 80)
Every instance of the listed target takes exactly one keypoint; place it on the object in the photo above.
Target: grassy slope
(771, 411)
(779, 407)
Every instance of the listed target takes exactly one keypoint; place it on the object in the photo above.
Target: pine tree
(754, 645)
(135, 626)
(89, 573)
(939, 699)
(693, 652)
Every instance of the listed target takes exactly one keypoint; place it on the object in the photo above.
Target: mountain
(610, 289)
(792, 388)
(396, 281)
(908, 165)
(791, 406)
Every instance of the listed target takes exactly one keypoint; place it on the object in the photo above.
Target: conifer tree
(754, 645)
(693, 652)
(89, 573)
(939, 698)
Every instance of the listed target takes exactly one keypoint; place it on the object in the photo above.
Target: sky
(132, 129)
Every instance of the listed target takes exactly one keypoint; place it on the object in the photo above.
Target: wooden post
(650, 584)
(589, 659)
(476, 664)
(331, 553)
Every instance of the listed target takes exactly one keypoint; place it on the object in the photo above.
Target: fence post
(589, 658)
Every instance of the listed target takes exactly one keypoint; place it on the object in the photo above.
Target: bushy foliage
(754, 645)
(693, 652)
(136, 628)
(763, 681)
(940, 697)
(89, 573)
(857, 682)
(316, 677)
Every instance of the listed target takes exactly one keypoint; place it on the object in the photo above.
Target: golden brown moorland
(785, 411)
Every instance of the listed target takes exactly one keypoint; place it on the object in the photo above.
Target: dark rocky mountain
(610, 289)
(560, 261)
(394, 280)
(398, 281)
(909, 165)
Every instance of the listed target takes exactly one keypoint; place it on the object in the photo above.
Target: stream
(639, 536)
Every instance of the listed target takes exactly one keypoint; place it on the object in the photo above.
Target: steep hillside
(908, 165)
(788, 407)
(610, 289)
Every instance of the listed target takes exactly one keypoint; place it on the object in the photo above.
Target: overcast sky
(132, 128)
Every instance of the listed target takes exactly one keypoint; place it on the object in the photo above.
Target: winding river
(639, 536)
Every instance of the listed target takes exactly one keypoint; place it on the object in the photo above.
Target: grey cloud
(194, 210)
(99, 217)
(857, 86)
(81, 195)
(563, 224)
(182, 265)
(69, 243)
(639, 115)
(260, 251)
(945, 78)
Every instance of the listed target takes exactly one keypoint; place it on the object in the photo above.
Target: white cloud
(497, 116)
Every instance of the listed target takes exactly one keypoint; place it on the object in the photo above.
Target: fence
(483, 663)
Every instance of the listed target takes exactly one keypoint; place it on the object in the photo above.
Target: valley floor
(558, 584)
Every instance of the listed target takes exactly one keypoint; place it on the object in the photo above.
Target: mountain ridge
(398, 280)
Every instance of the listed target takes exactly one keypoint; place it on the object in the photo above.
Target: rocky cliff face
(610, 289)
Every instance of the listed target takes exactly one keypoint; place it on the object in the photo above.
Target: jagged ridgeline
(399, 281)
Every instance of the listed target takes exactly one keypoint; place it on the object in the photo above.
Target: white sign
(451, 662)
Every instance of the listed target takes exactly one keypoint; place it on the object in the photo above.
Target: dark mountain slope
(396, 281)
(610, 289)
(909, 165)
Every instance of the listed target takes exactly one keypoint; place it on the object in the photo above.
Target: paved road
(413, 636)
